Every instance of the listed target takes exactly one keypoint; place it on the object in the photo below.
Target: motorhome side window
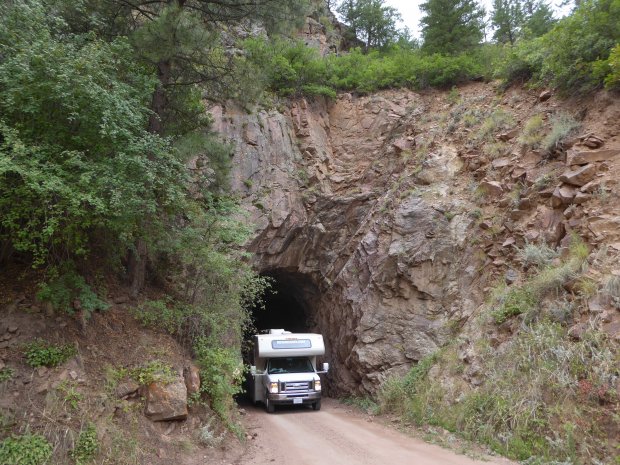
(289, 365)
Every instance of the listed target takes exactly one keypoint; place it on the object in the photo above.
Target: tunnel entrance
(289, 303)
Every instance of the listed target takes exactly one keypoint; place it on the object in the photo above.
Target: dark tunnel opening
(287, 305)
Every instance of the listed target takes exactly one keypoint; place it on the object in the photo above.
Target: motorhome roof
(289, 344)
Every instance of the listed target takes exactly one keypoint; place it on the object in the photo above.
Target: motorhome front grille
(298, 386)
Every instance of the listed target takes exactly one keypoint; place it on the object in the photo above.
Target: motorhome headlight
(317, 385)
(273, 388)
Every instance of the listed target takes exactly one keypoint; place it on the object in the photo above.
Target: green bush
(6, 374)
(153, 371)
(78, 170)
(86, 446)
(63, 289)
(612, 79)
(28, 449)
(576, 55)
(221, 374)
(38, 354)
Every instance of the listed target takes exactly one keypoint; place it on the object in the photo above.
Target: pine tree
(506, 18)
(371, 20)
(538, 17)
(451, 26)
(515, 18)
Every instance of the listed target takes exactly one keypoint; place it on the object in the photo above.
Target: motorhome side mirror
(253, 370)
(325, 366)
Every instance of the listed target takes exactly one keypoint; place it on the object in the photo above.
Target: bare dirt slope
(338, 435)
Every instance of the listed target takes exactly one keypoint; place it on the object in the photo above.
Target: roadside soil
(340, 435)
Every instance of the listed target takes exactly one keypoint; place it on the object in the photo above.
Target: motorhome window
(291, 344)
(289, 365)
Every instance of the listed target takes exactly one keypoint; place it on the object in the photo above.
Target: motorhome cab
(285, 370)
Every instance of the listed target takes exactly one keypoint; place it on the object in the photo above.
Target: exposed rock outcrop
(370, 206)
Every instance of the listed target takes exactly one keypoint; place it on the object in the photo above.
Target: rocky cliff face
(390, 214)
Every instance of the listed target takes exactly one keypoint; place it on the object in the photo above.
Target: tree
(451, 26)
(371, 21)
(506, 18)
(537, 18)
(517, 18)
(190, 45)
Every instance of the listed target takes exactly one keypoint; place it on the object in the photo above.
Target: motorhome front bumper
(297, 398)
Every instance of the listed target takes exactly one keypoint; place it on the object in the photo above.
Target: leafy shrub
(221, 374)
(86, 446)
(77, 161)
(38, 353)
(612, 79)
(6, 374)
(576, 55)
(70, 394)
(61, 291)
(28, 449)
(153, 371)
(514, 302)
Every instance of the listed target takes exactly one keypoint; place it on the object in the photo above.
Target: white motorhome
(285, 369)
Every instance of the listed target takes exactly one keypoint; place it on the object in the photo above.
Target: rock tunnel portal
(289, 304)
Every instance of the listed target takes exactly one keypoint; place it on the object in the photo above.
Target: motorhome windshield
(289, 365)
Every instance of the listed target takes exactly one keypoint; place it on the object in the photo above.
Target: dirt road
(336, 435)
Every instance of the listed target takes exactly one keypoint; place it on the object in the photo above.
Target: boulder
(592, 141)
(166, 402)
(563, 195)
(191, 374)
(579, 176)
(545, 95)
(583, 157)
(582, 197)
(506, 136)
(126, 389)
(492, 188)
(402, 144)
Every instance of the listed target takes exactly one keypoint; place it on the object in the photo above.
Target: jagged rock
(492, 188)
(582, 197)
(579, 176)
(592, 141)
(545, 95)
(126, 389)
(499, 163)
(511, 276)
(166, 402)
(577, 331)
(583, 157)
(506, 136)
(402, 144)
(551, 225)
(191, 374)
(563, 195)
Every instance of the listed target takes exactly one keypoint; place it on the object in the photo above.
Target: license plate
(298, 400)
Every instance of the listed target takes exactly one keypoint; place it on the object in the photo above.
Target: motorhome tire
(317, 405)
(269, 406)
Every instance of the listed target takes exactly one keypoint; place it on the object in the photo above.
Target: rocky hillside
(403, 223)
(393, 214)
